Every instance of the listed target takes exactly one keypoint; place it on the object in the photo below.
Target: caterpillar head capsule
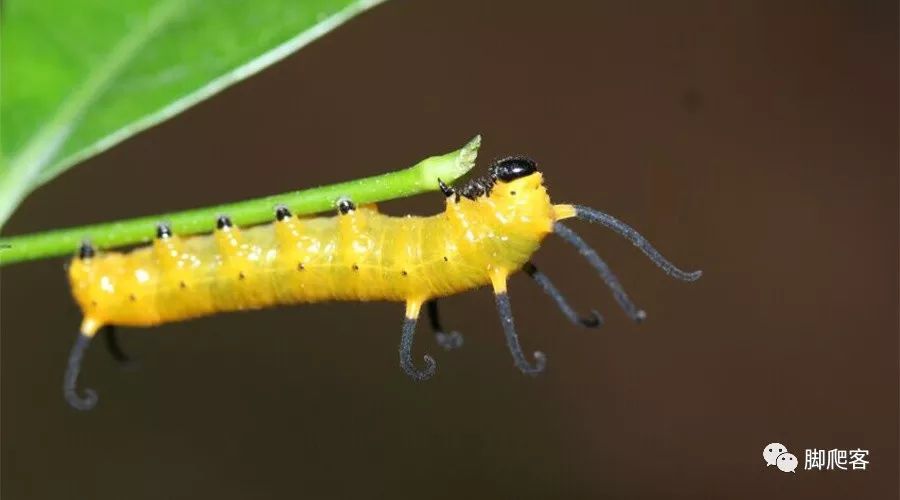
(512, 168)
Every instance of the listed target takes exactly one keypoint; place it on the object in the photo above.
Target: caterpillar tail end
(88, 400)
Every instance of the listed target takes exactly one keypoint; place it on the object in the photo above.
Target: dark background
(755, 140)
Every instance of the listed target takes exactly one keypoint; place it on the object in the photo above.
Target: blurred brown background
(754, 140)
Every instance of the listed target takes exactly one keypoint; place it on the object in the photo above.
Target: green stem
(419, 178)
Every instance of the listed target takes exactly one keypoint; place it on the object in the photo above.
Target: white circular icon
(771, 452)
(787, 462)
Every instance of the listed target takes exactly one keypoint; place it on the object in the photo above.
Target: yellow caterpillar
(490, 228)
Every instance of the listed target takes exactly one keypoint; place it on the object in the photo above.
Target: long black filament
(606, 274)
(592, 215)
(114, 348)
(449, 341)
(594, 321)
(512, 339)
(406, 340)
(70, 379)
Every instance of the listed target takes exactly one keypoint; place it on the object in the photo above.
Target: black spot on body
(300, 266)
(241, 275)
(222, 222)
(282, 213)
(345, 206)
(131, 297)
(163, 231)
(355, 267)
(86, 250)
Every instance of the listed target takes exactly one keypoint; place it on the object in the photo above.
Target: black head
(510, 169)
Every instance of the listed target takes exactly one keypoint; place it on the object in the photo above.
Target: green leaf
(81, 76)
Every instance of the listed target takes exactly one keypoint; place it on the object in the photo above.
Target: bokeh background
(755, 140)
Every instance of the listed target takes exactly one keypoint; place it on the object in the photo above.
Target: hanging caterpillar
(490, 228)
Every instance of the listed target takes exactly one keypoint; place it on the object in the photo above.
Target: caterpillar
(490, 228)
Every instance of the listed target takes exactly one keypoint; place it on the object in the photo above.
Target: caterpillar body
(490, 228)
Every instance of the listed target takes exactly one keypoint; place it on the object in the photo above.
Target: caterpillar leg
(70, 379)
(594, 321)
(509, 329)
(406, 340)
(605, 272)
(448, 341)
(114, 348)
(595, 216)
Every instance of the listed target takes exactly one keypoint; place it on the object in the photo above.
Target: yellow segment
(363, 255)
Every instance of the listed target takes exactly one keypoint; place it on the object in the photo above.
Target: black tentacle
(512, 339)
(593, 215)
(114, 348)
(606, 274)
(70, 379)
(594, 321)
(406, 363)
(449, 341)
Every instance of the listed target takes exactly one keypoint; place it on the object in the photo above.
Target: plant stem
(419, 178)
